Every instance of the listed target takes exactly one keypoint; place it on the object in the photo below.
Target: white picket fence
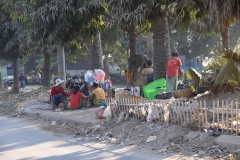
(191, 113)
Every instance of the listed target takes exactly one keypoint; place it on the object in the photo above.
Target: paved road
(24, 141)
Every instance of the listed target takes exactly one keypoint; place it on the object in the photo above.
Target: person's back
(99, 93)
(75, 100)
(21, 77)
(173, 65)
(147, 72)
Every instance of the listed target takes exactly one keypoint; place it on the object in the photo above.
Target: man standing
(173, 68)
(22, 79)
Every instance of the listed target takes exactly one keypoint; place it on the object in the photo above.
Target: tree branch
(107, 15)
(141, 31)
(125, 28)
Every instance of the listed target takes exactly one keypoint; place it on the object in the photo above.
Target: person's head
(58, 82)
(175, 54)
(149, 63)
(95, 85)
(21, 73)
(74, 89)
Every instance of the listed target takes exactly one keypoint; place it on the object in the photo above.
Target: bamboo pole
(201, 108)
(180, 113)
(170, 110)
(173, 111)
(185, 105)
(133, 107)
(198, 116)
(222, 115)
(120, 106)
(214, 112)
(227, 117)
(191, 111)
(217, 113)
(232, 116)
(177, 112)
(237, 117)
(205, 107)
(160, 110)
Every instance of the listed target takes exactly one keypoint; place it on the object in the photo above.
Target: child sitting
(76, 97)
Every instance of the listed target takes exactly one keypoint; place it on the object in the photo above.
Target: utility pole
(61, 63)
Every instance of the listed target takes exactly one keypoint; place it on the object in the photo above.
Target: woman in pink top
(173, 68)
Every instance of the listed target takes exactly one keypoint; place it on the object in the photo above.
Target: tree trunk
(47, 74)
(15, 87)
(225, 36)
(149, 45)
(135, 60)
(106, 64)
(96, 59)
(161, 47)
(61, 63)
(132, 40)
(1, 84)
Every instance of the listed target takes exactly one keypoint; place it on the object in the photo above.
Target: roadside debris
(151, 138)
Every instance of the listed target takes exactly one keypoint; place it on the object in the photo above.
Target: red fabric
(75, 100)
(56, 91)
(99, 112)
(173, 65)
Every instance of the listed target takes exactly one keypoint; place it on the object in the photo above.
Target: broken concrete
(228, 141)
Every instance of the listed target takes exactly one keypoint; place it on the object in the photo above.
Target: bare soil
(169, 138)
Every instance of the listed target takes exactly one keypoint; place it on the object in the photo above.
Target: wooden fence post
(237, 117)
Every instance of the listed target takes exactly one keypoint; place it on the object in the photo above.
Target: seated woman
(57, 93)
(147, 72)
(98, 96)
(76, 97)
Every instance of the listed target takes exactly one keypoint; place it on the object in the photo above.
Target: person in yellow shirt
(98, 96)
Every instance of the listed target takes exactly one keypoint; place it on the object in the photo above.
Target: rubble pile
(36, 98)
(121, 130)
(161, 139)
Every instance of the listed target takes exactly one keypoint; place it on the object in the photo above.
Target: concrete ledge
(228, 141)
(192, 135)
(83, 117)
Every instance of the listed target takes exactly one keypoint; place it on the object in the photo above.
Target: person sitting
(68, 84)
(76, 97)
(98, 96)
(57, 93)
(148, 71)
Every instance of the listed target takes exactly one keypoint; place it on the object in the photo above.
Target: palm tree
(226, 12)
(161, 46)
(183, 12)
(149, 45)
(96, 53)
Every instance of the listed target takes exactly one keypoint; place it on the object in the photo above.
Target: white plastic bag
(100, 75)
(107, 113)
(89, 77)
(149, 116)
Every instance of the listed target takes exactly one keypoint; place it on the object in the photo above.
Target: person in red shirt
(76, 97)
(57, 93)
(173, 68)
